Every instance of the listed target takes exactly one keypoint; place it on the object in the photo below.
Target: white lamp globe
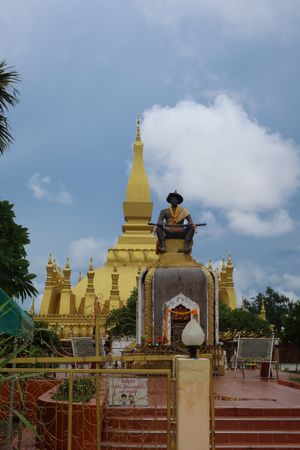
(192, 334)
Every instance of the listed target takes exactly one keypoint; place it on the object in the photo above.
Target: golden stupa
(71, 309)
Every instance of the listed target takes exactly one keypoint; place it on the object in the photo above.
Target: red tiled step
(257, 447)
(124, 411)
(258, 437)
(258, 423)
(136, 422)
(125, 446)
(134, 436)
(230, 411)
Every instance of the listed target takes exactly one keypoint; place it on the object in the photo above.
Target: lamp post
(193, 337)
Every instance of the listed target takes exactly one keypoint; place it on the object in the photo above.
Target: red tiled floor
(251, 391)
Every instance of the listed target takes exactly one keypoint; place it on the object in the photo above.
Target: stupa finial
(262, 313)
(91, 268)
(138, 130)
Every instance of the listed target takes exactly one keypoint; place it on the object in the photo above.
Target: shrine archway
(176, 313)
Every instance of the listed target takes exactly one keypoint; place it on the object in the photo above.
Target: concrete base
(193, 404)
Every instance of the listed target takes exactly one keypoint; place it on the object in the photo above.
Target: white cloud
(248, 19)
(251, 278)
(83, 249)
(42, 188)
(214, 230)
(250, 223)
(219, 156)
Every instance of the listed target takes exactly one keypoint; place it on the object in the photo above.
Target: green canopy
(13, 320)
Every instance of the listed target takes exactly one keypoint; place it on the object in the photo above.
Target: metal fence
(105, 404)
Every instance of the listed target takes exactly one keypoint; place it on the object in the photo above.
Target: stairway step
(139, 422)
(258, 437)
(231, 411)
(257, 447)
(132, 446)
(258, 423)
(135, 436)
(123, 411)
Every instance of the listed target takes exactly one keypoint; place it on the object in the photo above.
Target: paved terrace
(253, 391)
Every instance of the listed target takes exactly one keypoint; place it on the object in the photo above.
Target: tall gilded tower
(72, 308)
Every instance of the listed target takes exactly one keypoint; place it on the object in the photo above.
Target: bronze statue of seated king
(175, 223)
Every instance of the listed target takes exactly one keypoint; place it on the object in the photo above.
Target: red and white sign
(128, 391)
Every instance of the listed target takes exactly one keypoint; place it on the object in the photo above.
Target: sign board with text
(128, 391)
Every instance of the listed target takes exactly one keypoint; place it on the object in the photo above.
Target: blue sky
(217, 84)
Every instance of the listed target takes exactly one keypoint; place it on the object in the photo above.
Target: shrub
(84, 389)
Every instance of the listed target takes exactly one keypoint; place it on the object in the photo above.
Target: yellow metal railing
(72, 373)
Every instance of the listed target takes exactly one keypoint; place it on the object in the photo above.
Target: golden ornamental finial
(79, 277)
(67, 263)
(229, 261)
(223, 264)
(262, 314)
(31, 311)
(138, 131)
(91, 268)
(210, 266)
(50, 260)
(115, 267)
(54, 265)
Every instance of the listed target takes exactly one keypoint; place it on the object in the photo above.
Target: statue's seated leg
(161, 239)
(187, 246)
(188, 240)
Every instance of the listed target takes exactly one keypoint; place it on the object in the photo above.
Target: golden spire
(229, 273)
(138, 131)
(50, 279)
(67, 275)
(222, 284)
(114, 298)
(262, 314)
(31, 311)
(137, 207)
(138, 188)
(210, 266)
(90, 276)
(79, 277)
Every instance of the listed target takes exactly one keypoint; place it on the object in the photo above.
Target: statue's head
(174, 198)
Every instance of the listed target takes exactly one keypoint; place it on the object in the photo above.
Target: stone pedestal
(174, 245)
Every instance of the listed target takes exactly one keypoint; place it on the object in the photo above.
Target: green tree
(277, 306)
(234, 322)
(290, 331)
(8, 98)
(122, 321)
(15, 278)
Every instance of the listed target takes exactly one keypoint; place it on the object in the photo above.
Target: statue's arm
(162, 217)
(189, 220)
